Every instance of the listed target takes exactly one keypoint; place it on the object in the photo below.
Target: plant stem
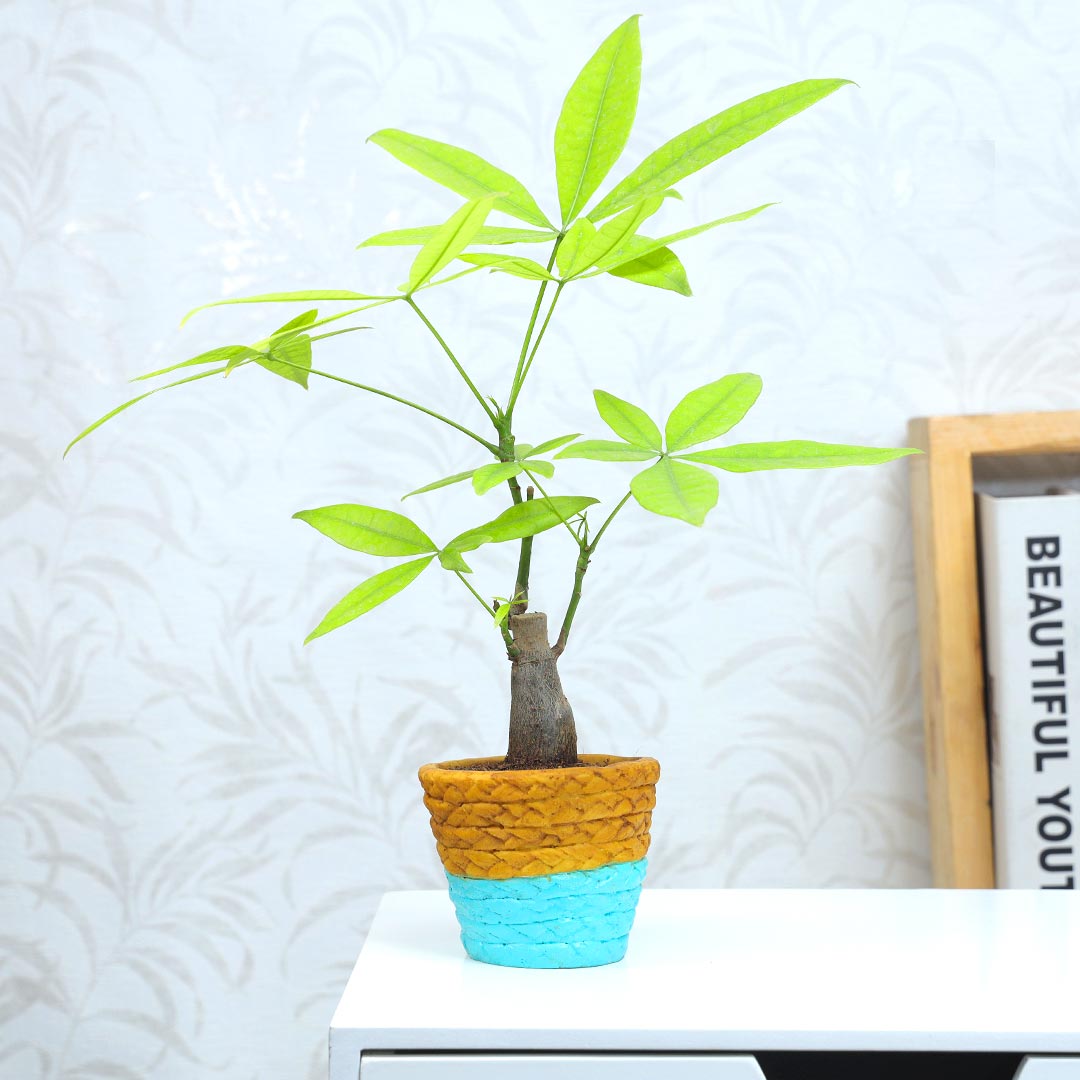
(454, 360)
(585, 552)
(575, 598)
(544, 494)
(506, 442)
(511, 649)
(540, 335)
(521, 580)
(393, 397)
(607, 521)
(525, 344)
(515, 387)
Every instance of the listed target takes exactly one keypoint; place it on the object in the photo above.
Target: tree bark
(542, 732)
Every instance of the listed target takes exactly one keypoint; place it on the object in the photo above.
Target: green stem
(585, 552)
(506, 443)
(524, 568)
(575, 598)
(607, 521)
(569, 527)
(454, 360)
(540, 336)
(536, 347)
(511, 649)
(515, 387)
(393, 397)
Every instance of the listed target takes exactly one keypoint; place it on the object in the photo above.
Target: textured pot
(545, 866)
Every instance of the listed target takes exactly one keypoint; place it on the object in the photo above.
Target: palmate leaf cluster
(610, 236)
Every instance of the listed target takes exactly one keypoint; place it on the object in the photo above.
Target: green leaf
(127, 404)
(628, 421)
(489, 234)
(502, 613)
(289, 353)
(706, 413)
(334, 318)
(288, 298)
(536, 465)
(569, 254)
(613, 234)
(606, 450)
(704, 143)
(795, 454)
(517, 265)
(444, 482)
(213, 356)
(658, 267)
(369, 529)
(237, 354)
(617, 258)
(596, 117)
(552, 444)
(449, 240)
(306, 318)
(373, 592)
(444, 280)
(462, 171)
(489, 476)
(336, 333)
(291, 359)
(449, 559)
(674, 489)
(523, 519)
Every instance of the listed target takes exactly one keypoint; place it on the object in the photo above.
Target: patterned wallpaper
(198, 815)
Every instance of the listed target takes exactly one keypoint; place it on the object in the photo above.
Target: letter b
(1043, 547)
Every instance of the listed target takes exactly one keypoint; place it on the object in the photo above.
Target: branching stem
(607, 521)
(569, 528)
(454, 360)
(575, 598)
(519, 376)
(489, 446)
(585, 552)
(524, 568)
(511, 649)
(540, 336)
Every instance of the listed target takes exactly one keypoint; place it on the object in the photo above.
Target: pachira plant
(674, 470)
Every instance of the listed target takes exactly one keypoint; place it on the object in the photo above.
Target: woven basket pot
(545, 865)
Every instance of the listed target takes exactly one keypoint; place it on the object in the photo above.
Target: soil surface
(501, 766)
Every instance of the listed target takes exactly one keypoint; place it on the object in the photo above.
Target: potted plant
(544, 847)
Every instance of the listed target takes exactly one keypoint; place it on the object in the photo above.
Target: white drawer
(375, 1065)
(1049, 1068)
(383, 1065)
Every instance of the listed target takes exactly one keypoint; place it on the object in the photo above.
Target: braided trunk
(542, 732)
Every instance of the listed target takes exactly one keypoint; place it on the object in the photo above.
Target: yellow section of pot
(522, 838)
(492, 823)
(537, 862)
(544, 812)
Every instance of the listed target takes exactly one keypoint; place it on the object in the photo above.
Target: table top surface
(741, 969)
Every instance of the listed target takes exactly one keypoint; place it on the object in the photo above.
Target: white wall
(198, 815)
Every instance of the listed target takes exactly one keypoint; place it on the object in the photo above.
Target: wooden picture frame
(950, 635)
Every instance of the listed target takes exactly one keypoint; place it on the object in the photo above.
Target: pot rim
(589, 764)
(455, 782)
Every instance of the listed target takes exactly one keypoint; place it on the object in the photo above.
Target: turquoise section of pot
(578, 919)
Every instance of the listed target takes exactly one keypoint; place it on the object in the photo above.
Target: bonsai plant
(544, 847)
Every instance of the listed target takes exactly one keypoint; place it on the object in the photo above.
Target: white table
(714, 977)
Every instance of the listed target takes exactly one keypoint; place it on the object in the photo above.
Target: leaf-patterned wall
(197, 816)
